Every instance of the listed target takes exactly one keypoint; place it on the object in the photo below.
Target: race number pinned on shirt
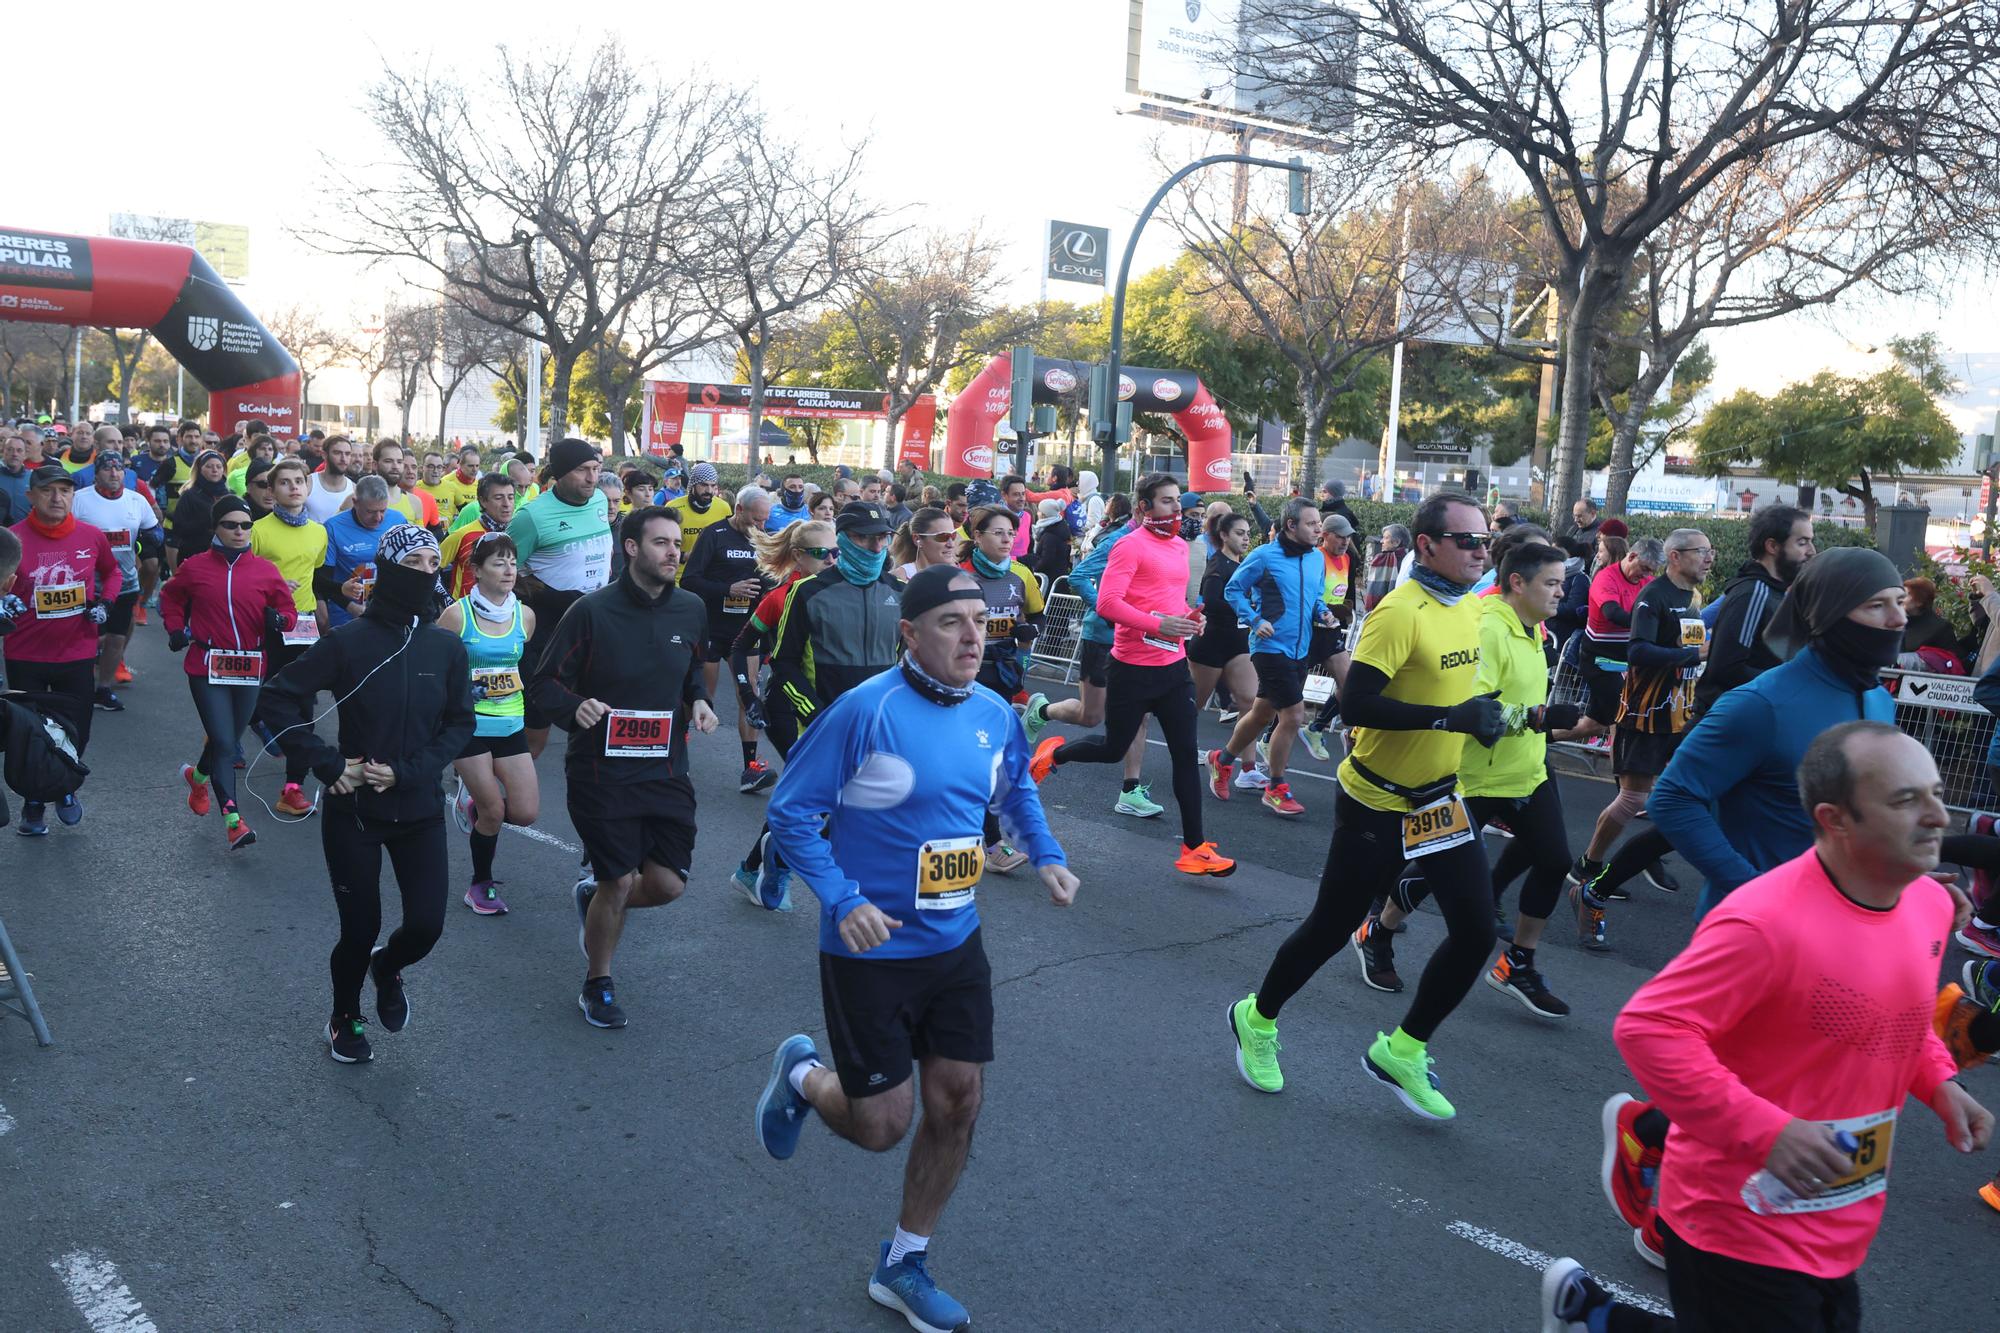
(635, 734)
(120, 538)
(737, 606)
(499, 682)
(1435, 828)
(1869, 1175)
(59, 601)
(232, 667)
(301, 634)
(1693, 633)
(948, 871)
(999, 627)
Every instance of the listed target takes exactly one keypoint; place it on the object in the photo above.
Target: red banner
(919, 424)
(667, 403)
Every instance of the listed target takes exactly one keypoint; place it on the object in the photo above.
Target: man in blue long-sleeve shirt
(880, 812)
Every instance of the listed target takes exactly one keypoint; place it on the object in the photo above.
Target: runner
(332, 486)
(125, 518)
(1144, 595)
(839, 627)
(697, 509)
(460, 486)
(493, 511)
(1668, 644)
(564, 539)
(1412, 698)
(1013, 622)
(903, 969)
(1329, 647)
(404, 692)
(619, 675)
(67, 580)
(192, 528)
(721, 569)
(219, 607)
(1276, 593)
(1607, 626)
(791, 504)
(495, 775)
(929, 538)
(1733, 1041)
(1220, 654)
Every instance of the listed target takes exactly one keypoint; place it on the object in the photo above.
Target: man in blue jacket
(899, 772)
(1277, 592)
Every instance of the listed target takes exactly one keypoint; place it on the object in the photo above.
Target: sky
(1006, 115)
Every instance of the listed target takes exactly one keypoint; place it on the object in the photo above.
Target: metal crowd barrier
(1061, 639)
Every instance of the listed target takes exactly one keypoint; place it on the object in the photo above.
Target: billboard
(1077, 253)
(225, 245)
(1237, 59)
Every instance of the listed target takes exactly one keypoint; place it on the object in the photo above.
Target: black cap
(48, 474)
(862, 519)
(931, 587)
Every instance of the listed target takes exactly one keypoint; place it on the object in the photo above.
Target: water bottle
(1764, 1193)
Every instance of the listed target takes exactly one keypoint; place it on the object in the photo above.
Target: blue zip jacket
(1986, 693)
(1729, 800)
(1083, 581)
(1283, 589)
(888, 774)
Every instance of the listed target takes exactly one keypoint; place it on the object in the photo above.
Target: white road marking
(1529, 1257)
(103, 1299)
(6, 1121)
(529, 831)
(1290, 773)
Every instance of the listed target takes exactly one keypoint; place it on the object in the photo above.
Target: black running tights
(354, 845)
(1362, 864)
(1637, 852)
(277, 656)
(1131, 692)
(782, 730)
(1539, 849)
(225, 710)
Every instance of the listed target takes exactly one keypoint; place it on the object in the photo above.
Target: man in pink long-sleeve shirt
(1801, 1008)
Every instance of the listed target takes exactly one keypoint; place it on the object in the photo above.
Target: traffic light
(1982, 452)
(1107, 426)
(1021, 405)
(1301, 187)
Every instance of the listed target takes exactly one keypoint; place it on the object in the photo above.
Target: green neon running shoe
(1263, 754)
(1138, 803)
(1256, 1046)
(1410, 1079)
(1315, 742)
(1035, 717)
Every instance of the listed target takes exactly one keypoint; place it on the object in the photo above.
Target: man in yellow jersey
(290, 539)
(699, 508)
(458, 487)
(432, 483)
(1412, 698)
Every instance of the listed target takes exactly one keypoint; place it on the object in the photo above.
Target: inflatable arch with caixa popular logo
(108, 283)
(982, 405)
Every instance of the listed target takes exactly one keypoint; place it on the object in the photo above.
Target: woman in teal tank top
(496, 774)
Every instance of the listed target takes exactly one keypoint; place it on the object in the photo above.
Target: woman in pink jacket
(217, 606)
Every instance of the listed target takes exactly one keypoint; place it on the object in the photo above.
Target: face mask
(859, 565)
(402, 592)
(1862, 651)
(1163, 527)
(989, 568)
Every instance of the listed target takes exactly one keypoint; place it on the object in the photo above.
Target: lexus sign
(1078, 253)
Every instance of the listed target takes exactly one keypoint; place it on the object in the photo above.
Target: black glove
(753, 711)
(99, 612)
(274, 620)
(1561, 717)
(178, 640)
(1481, 718)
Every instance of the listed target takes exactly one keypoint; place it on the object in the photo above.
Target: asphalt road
(186, 1157)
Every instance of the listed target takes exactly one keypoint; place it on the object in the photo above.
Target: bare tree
(669, 321)
(465, 343)
(127, 346)
(1622, 114)
(410, 335)
(314, 343)
(33, 358)
(784, 237)
(548, 196)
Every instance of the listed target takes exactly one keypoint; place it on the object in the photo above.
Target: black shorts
(719, 646)
(623, 826)
(883, 1014)
(1218, 650)
(500, 747)
(118, 616)
(1642, 753)
(1281, 680)
(1328, 640)
(1093, 663)
(1713, 1293)
(150, 548)
(1603, 689)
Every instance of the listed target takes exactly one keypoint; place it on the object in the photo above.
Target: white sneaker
(1249, 779)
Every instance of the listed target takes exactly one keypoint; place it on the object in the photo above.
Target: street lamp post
(1108, 426)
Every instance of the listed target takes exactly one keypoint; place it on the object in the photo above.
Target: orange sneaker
(1990, 1192)
(1044, 762)
(197, 790)
(1278, 800)
(139, 614)
(1952, 1020)
(240, 835)
(1631, 1170)
(123, 676)
(1204, 860)
(1219, 771)
(292, 801)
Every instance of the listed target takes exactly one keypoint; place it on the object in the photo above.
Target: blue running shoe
(270, 739)
(781, 1112)
(33, 822)
(585, 890)
(774, 882)
(70, 812)
(907, 1289)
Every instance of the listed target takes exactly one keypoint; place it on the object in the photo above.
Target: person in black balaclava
(404, 691)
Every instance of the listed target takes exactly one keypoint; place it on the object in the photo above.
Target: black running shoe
(107, 701)
(757, 776)
(347, 1039)
(600, 1004)
(1524, 982)
(392, 1006)
(1376, 948)
(1662, 878)
(1612, 893)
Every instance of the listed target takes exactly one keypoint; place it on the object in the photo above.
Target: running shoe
(781, 1112)
(1138, 803)
(1611, 893)
(1204, 860)
(1589, 918)
(123, 675)
(106, 701)
(1249, 779)
(1219, 771)
(347, 1039)
(1411, 1080)
(1646, 1240)
(1569, 1297)
(757, 776)
(392, 1006)
(1035, 718)
(1602, 744)
(1662, 878)
(1990, 1192)
(1004, 860)
(906, 1287)
(32, 825)
(197, 790)
(269, 737)
(1263, 753)
(138, 616)
(462, 808)
(599, 1002)
(1951, 1019)
(484, 898)
(1499, 828)
(1279, 801)
(1524, 982)
(1227, 715)
(1376, 949)
(1315, 740)
(746, 884)
(292, 801)
(1256, 1047)
(1982, 983)
(1044, 762)
(774, 882)
(1980, 939)
(1629, 1170)
(70, 811)
(239, 833)
(585, 890)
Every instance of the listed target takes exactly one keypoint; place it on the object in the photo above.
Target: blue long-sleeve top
(1274, 585)
(1729, 800)
(890, 775)
(1083, 581)
(1986, 693)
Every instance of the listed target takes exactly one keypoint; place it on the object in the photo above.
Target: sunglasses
(820, 552)
(233, 527)
(1467, 541)
(944, 536)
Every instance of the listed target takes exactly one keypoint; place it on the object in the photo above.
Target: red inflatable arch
(106, 283)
